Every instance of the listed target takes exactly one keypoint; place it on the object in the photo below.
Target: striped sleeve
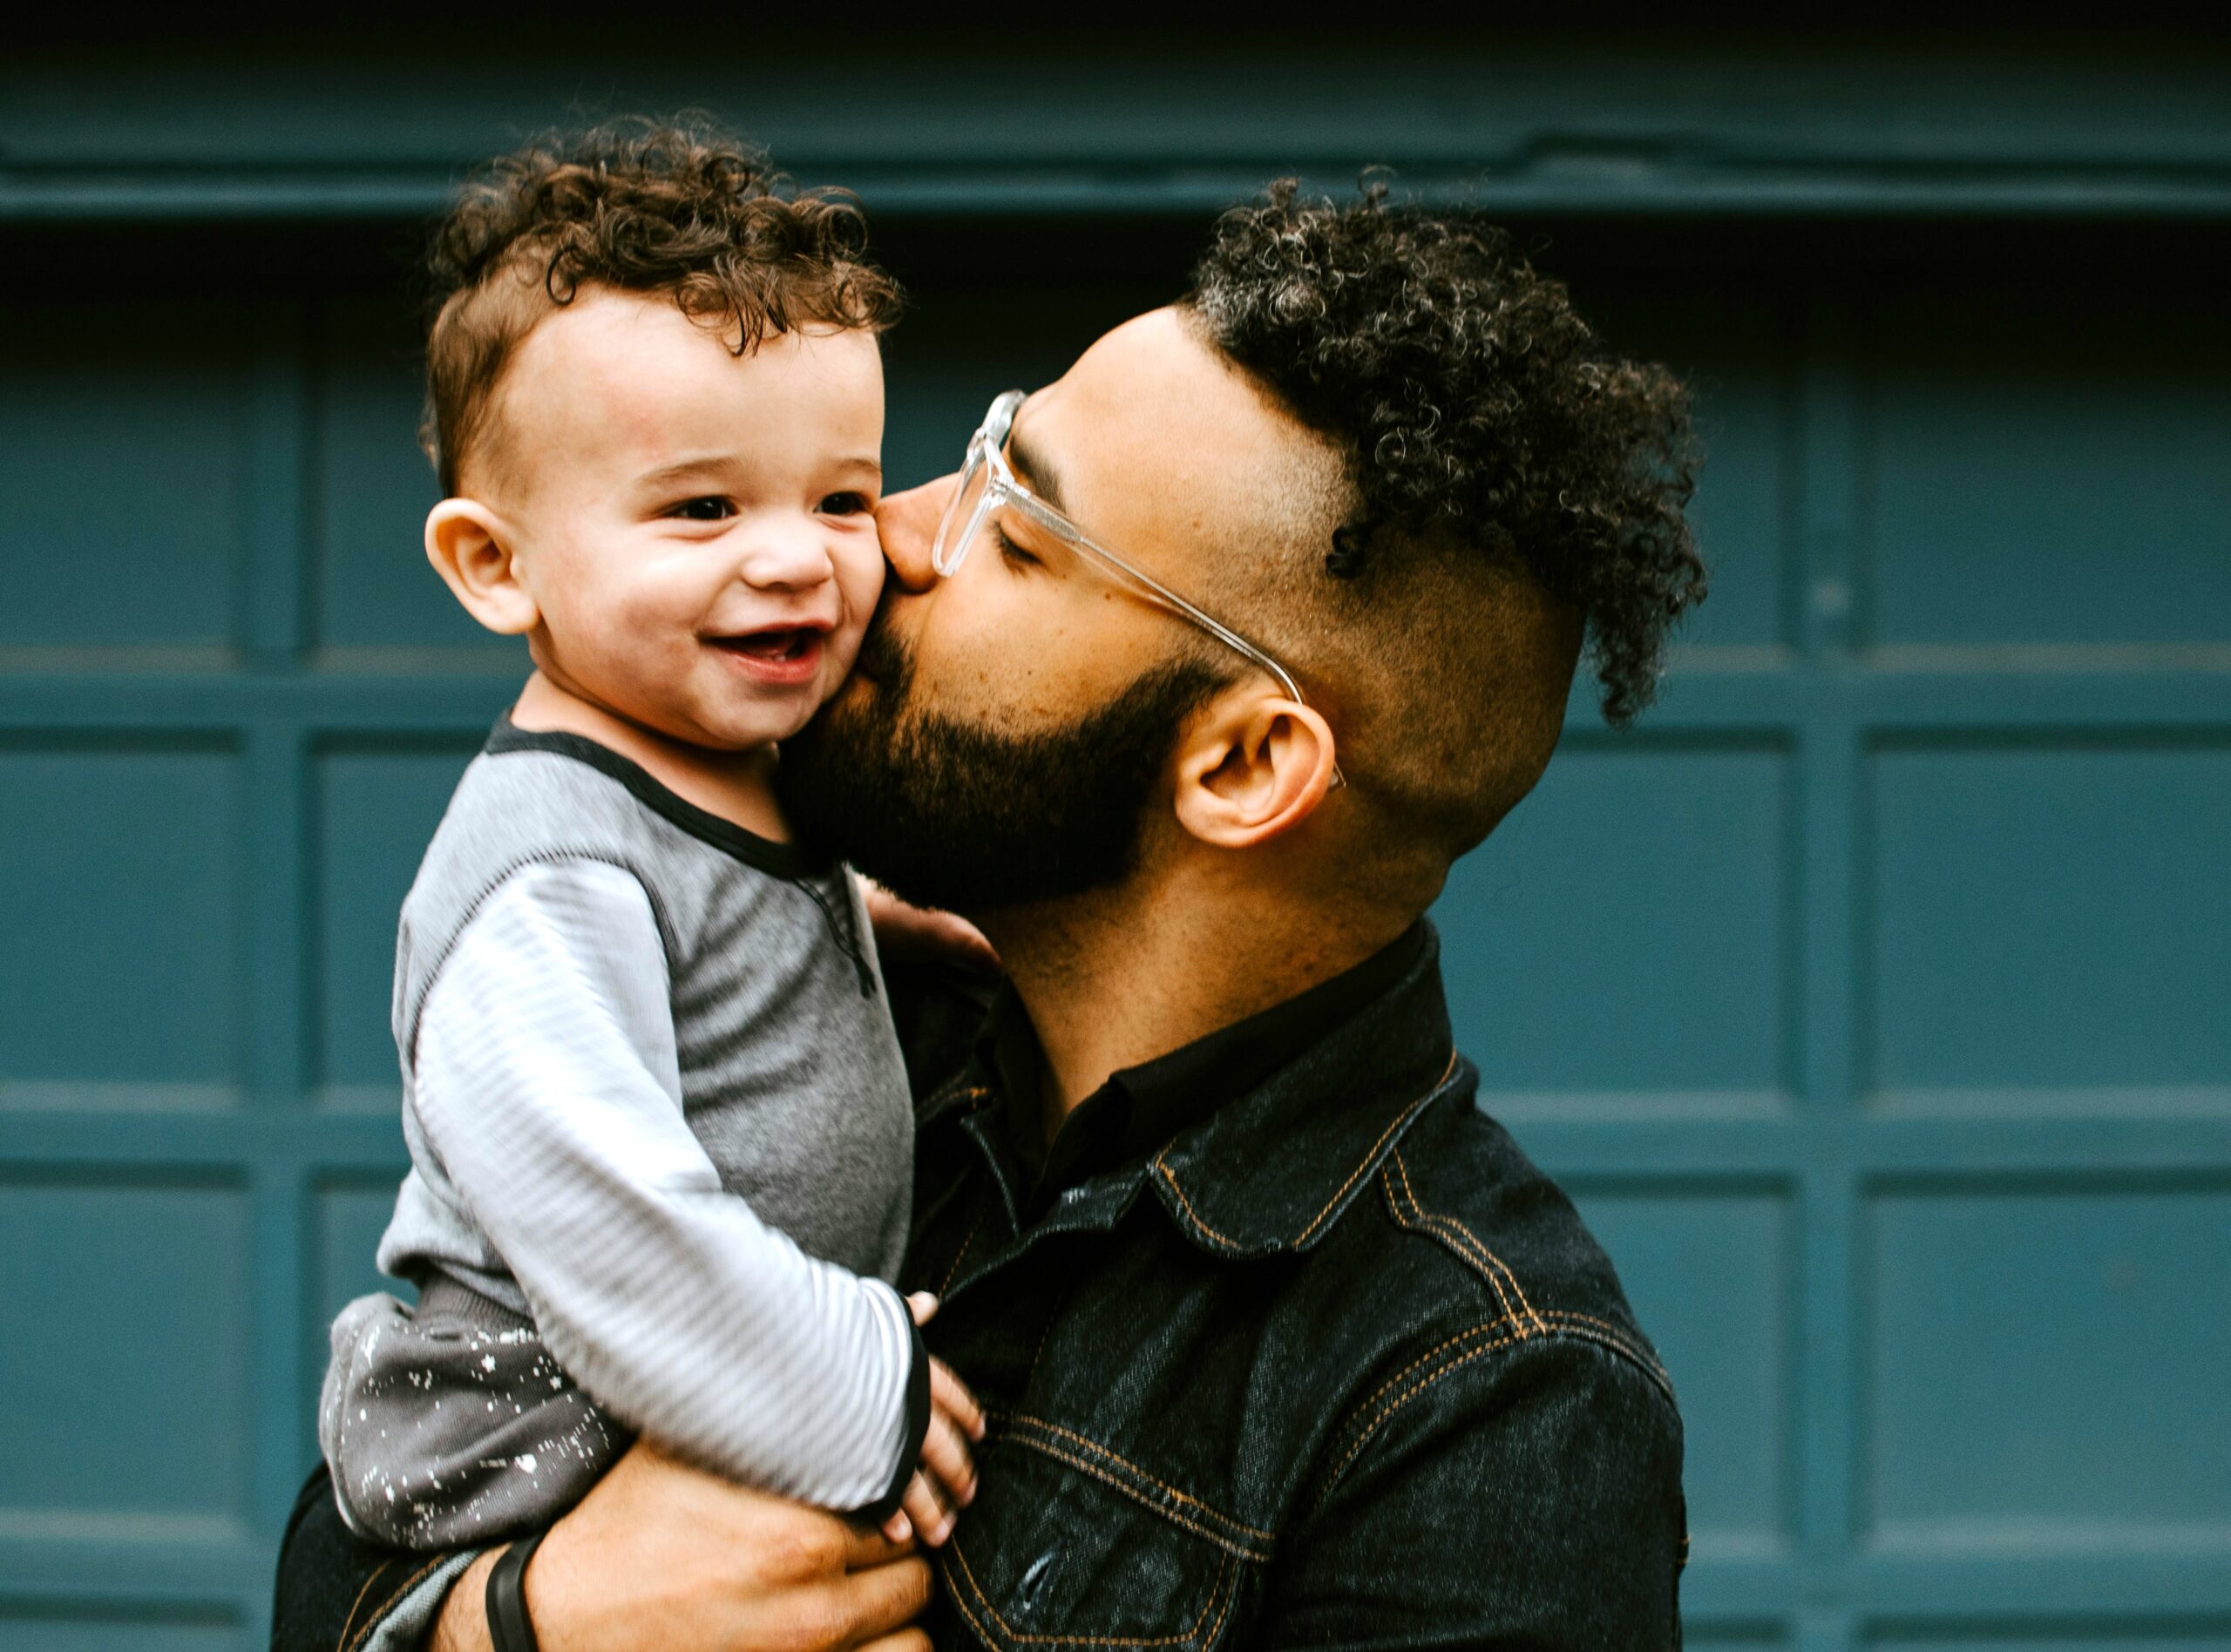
(546, 1079)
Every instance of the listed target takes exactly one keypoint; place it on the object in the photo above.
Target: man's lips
(777, 654)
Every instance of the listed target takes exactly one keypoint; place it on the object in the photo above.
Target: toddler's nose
(785, 557)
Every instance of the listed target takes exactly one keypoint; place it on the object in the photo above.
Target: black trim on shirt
(792, 863)
(789, 861)
(918, 1428)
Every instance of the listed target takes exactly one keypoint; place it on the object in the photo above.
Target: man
(1189, 687)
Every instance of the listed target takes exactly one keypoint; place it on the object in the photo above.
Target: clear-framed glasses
(988, 483)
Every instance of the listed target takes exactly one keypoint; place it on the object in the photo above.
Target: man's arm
(658, 1558)
(1524, 1493)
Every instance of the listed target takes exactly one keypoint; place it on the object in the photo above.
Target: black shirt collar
(1140, 1109)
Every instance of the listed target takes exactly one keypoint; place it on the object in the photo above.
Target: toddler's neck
(738, 786)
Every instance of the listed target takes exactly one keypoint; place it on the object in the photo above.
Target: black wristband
(917, 1426)
(510, 1629)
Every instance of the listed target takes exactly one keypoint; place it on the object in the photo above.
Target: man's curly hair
(678, 208)
(1470, 398)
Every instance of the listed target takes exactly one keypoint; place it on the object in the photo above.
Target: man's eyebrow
(1030, 465)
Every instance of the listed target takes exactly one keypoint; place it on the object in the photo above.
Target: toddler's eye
(844, 504)
(711, 508)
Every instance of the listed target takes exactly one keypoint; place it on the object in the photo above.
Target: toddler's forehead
(616, 384)
(611, 375)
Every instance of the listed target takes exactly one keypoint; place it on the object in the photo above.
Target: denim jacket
(1333, 1366)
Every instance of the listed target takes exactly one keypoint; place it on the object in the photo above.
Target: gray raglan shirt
(654, 1102)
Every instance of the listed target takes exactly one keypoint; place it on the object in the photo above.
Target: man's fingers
(924, 1305)
(965, 941)
(905, 1641)
(949, 1394)
(863, 1606)
(866, 1547)
(945, 1459)
(903, 929)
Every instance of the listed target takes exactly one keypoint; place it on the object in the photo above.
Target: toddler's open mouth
(778, 654)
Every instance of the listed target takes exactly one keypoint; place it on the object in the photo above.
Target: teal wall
(1874, 995)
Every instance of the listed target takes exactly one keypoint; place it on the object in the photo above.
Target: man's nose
(908, 522)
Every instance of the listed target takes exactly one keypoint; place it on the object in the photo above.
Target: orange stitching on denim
(1372, 1425)
(1394, 1207)
(1039, 1352)
(1396, 1404)
(1465, 1239)
(1428, 1357)
(1230, 1599)
(1611, 1337)
(973, 1229)
(1445, 1224)
(408, 1584)
(1464, 1234)
(1617, 1338)
(1094, 1446)
(982, 1634)
(1229, 1545)
(1229, 1244)
(1557, 1316)
(349, 1622)
(1400, 1119)
(1192, 1637)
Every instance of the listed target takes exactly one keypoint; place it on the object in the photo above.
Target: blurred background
(1873, 996)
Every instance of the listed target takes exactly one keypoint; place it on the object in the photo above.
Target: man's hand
(917, 934)
(660, 1557)
(945, 1483)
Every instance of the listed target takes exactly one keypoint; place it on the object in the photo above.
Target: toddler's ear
(470, 547)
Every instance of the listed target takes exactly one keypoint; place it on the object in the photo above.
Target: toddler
(659, 1126)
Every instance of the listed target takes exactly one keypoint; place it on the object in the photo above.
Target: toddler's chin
(778, 726)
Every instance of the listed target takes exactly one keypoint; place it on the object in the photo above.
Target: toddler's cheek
(844, 647)
(862, 568)
(860, 571)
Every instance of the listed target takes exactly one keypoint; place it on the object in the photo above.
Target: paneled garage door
(1874, 997)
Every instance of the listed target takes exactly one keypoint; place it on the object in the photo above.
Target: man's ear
(472, 549)
(1253, 768)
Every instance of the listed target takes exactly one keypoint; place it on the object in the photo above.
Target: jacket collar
(1271, 1169)
(1268, 1167)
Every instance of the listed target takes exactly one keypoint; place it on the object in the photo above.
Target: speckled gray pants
(450, 1424)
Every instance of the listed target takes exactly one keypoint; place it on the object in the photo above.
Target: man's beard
(949, 813)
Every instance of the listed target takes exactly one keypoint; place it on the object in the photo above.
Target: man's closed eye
(1010, 552)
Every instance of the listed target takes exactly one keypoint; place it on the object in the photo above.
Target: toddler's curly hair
(679, 206)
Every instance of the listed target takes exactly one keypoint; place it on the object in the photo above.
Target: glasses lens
(962, 512)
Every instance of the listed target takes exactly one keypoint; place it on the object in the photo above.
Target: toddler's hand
(908, 932)
(945, 1481)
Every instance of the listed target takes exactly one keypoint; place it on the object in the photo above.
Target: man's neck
(737, 785)
(1119, 978)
